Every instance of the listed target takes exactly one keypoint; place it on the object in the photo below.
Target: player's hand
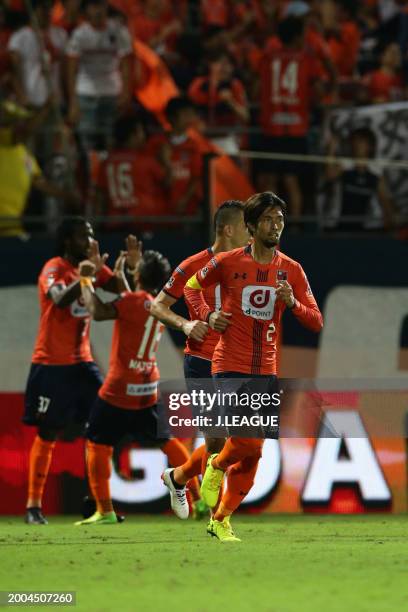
(196, 330)
(119, 266)
(95, 257)
(86, 268)
(219, 321)
(133, 251)
(284, 292)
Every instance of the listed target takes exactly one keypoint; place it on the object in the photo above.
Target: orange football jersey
(63, 336)
(175, 288)
(249, 343)
(133, 375)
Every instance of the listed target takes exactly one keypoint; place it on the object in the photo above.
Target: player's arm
(209, 275)
(99, 311)
(218, 320)
(161, 310)
(62, 295)
(299, 299)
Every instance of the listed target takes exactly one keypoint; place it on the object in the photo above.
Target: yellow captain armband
(85, 281)
(193, 283)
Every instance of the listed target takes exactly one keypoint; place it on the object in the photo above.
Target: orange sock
(39, 464)
(236, 449)
(240, 479)
(98, 461)
(178, 455)
(192, 467)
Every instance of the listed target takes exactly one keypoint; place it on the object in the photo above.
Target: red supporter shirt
(63, 336)
(204, 94)
(249, 343)
(132, 183)
(175, 289)
(384, 87)
(186, 164)
(133, 375)
(287, 78)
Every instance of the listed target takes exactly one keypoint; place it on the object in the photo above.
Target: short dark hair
(177, 105)
(86, 3)
(290, 28)
(256, 205)
(154, 270)
(366, 134)
(125, 127)
(41, 4)
(66, 230)
(226, 213)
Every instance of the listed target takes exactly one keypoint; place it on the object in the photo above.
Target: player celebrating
(230, 233)
(127, 402)
(258, 282)
(63, 379)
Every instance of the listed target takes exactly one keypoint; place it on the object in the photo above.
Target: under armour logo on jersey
(238, 275)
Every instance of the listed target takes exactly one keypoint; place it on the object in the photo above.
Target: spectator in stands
(130, 182)
(5, 63)
(289, 77)
(181, 158)
(66, 14)
(342, 34)
(158, 24)
(19, 172)
(357, 197)
(386, 83)
(369, 25)
(36, 56)
(222, 100)
(97, 75)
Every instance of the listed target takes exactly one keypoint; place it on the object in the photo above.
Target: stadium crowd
(107, 108)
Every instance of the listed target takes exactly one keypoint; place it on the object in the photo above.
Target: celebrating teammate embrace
(64, 379)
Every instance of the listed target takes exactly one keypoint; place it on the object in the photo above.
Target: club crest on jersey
(258, 302)
(147, 304)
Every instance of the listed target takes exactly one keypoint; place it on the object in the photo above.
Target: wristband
(85, 281)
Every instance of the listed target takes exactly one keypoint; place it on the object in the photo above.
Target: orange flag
(228, 181)
(157, 86)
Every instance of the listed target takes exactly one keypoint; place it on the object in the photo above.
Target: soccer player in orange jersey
(127, 403)
(201, 339)
(63, 379)
(258, 283)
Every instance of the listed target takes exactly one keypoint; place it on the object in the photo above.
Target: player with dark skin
(64, 379)
(80, 246)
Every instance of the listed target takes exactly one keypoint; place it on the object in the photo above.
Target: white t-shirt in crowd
(99, 53)
(37, 58)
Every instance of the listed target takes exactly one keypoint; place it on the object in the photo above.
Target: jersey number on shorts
(43, 404)
(155, 337)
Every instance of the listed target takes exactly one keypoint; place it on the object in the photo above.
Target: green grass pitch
(158, 564)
